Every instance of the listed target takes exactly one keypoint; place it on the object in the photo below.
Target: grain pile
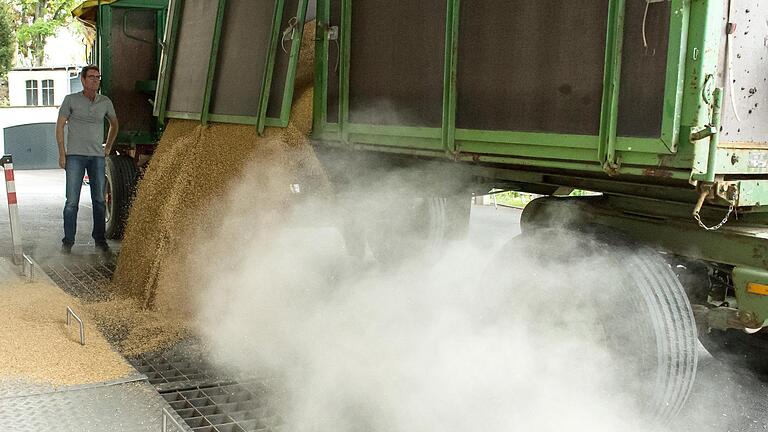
(182, 200)
(38, 346)
(133, 329)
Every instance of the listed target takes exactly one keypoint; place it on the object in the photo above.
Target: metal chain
(725, 219)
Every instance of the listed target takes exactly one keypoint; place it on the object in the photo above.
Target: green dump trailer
(661, 107)
(126, 45)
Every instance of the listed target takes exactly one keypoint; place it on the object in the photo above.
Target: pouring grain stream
(182, 197)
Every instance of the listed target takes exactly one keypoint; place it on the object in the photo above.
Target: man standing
(84, 112)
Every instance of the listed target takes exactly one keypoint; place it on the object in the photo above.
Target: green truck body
(661, 106)
(620, 97)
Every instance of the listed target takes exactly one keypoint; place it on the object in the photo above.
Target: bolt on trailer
(659, 106)
(126, 43)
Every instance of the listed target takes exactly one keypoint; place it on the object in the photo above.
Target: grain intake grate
(237, 407)
(83, 277)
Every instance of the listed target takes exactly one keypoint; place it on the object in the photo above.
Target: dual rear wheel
(634, 299)
(631, 296)
(121, 176)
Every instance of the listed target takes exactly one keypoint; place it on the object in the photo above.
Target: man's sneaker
(103, 247)
(66, 249)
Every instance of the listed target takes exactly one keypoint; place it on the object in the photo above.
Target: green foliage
(36, 20)
(7, 42)
(521, 199)
(513, 198)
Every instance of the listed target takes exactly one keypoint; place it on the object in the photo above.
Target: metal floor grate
(170, 371)
(204, 397)
(227, 408)
(83, 277)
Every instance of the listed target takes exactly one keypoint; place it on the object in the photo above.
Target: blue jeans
(76, 168)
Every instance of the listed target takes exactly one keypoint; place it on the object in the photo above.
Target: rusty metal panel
(396, 62)
(531, 66)
(133, 36)
(643, 70)
(282, 57)
(746, 84)
(242, 57)
(190, 67)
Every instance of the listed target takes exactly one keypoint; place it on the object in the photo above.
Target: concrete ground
(726, 397)
(129, 404)
(41, 203)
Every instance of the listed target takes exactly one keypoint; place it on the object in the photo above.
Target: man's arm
(60, 141)
(111, 135)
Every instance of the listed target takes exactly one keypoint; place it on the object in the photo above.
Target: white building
(28, 124)
(42, 86)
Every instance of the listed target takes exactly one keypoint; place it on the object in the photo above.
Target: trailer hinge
(455, 154)
(330, 33)
(333, 33)
(612, 167)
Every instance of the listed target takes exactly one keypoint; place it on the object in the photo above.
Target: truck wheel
(406, 227)
(121, 178)
(639, 308)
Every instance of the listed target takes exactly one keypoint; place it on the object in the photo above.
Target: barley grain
(185, 195)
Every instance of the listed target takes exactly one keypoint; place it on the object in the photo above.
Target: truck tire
(407, 227)
(407, 207)
(646, 320)
(121, 179)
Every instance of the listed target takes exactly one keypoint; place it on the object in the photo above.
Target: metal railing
(82, 328)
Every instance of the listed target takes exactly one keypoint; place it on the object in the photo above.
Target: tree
(7, 39)
(36, 20)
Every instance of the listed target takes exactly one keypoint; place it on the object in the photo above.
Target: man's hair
(84, 70)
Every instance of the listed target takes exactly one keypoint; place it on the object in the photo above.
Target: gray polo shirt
(85, 120)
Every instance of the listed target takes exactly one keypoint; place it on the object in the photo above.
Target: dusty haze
(427, 345)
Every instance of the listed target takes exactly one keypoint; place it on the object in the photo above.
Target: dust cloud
(455, 339)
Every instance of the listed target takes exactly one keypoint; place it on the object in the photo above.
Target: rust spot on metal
(694, 81)
(665, 161)
(657, 172)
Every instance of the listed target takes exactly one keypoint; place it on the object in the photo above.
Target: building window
(32, 92)
(47, 89)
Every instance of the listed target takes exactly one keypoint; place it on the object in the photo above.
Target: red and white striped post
(13, 209)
